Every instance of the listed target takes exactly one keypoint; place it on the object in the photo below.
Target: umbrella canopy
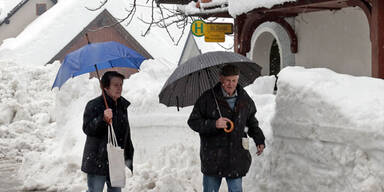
(101, 55)
(200, 73)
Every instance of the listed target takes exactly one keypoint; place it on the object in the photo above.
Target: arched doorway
(270, 48)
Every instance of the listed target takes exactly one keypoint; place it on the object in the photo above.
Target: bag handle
(111, 135)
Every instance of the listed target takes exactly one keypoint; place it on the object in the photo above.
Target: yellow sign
(198, 27)
(214, 37)
(226, 28)
(213, 32)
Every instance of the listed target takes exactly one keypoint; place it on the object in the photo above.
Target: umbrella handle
(231, 127)
(101, 87)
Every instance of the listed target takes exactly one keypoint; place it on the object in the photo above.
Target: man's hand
(221, 123)
(108, 115)
(260, 149)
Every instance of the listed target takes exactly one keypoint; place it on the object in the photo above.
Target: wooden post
(377, 30)
(239, 23)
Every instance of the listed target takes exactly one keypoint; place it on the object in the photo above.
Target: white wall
(336, 40)
(21, 19)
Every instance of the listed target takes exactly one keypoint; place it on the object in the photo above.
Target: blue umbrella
(94, 57)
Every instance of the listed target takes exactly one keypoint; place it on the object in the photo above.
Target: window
(274, 67)
(41, 8)
(274, 61)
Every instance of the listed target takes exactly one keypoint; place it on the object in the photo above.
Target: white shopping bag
(115, 160)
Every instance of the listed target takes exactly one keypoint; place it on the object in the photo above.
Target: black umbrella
(198, 74)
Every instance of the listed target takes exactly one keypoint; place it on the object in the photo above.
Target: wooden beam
(302, 5)
(173, 1)
(377, 29)
(239, 24)
(208, 15)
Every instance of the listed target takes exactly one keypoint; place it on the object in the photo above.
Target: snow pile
(26, 110)
(265, 85)
(328, 132)
(191, 9)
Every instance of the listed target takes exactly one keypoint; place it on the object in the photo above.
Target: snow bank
(26, 110)
(328, 132)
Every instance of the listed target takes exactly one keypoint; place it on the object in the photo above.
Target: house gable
(103, 28)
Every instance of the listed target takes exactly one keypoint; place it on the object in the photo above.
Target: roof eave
(176, 2)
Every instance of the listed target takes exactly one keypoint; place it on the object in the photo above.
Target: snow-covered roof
(11, 7)
(58, 28)
(238, 7)
(234, 8)
(6, 6)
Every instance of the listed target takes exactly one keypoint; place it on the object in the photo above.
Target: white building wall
(21, 19)
(338, 40)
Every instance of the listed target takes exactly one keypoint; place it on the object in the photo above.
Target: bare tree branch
(168, 18)
(131, 13)
(152, 20)
(102, 3)
(226, 48)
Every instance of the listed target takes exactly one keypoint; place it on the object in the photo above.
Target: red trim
(377, 31)
(238, 26)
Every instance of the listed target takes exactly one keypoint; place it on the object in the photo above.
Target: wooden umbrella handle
(230, 128)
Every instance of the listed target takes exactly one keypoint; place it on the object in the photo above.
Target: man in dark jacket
(225, 154)
(95, 126)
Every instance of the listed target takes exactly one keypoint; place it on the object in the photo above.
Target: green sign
(198, 27)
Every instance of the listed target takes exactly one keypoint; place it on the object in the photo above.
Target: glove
(129, 164)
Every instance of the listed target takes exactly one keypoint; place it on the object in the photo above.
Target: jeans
(96, 184)
(212, 184)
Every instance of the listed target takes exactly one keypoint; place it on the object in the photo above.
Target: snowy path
(8, 181)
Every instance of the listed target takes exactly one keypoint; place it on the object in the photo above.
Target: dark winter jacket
(95, 158)
(222, 154)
